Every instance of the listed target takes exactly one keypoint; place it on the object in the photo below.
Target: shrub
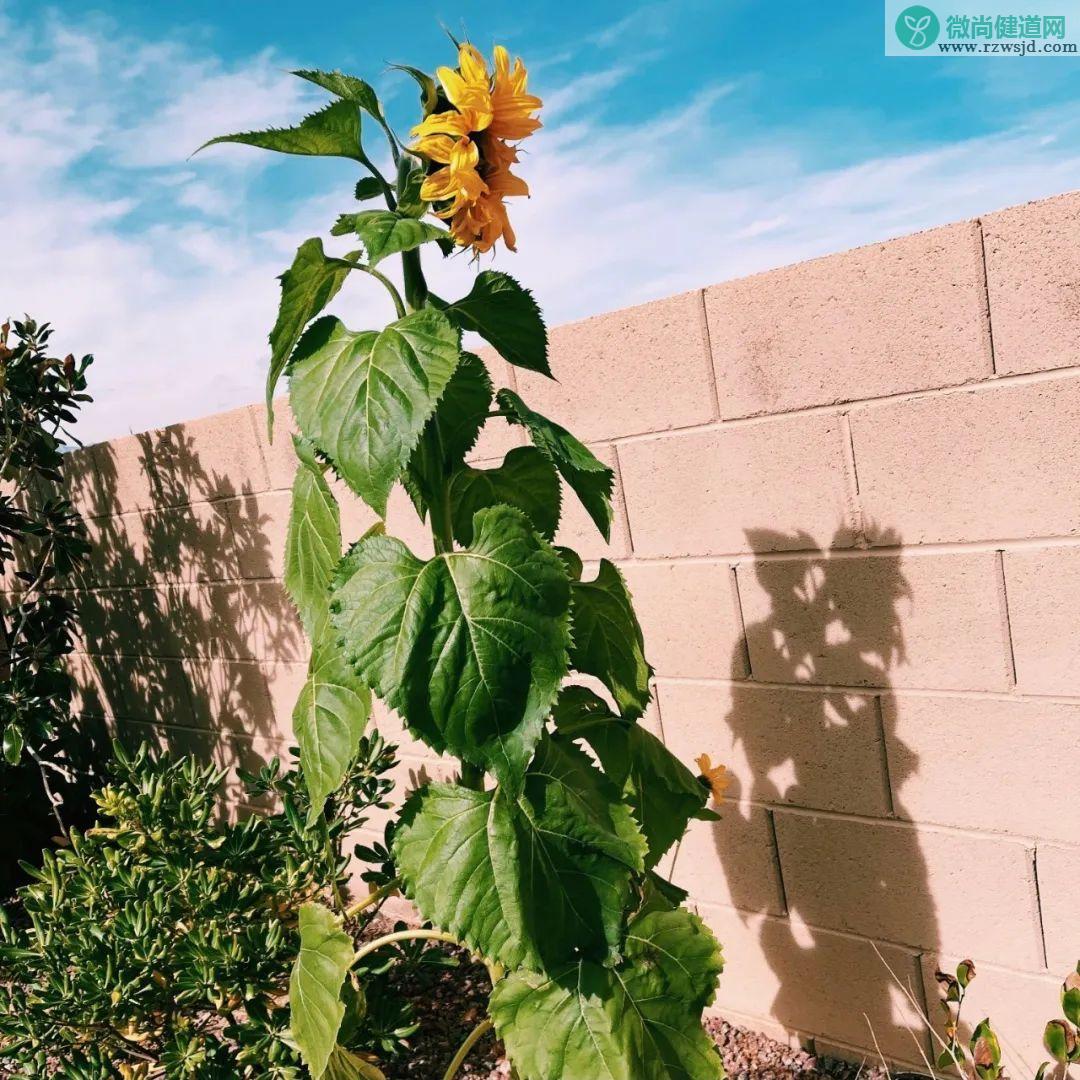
(542, 857)
(42, 542)
(160, 940)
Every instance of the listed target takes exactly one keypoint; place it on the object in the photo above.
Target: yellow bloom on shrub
(470, 141)
(716, 776)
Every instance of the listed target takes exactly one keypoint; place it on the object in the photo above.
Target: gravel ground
(450, 1002)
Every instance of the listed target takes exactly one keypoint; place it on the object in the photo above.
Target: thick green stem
(416, 290)
(403, 935)
(373, 898)
(472, 776)
(471, 1040)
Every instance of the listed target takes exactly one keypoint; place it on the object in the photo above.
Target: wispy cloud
(165, 267)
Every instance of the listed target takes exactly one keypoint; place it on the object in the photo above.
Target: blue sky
(685, 143)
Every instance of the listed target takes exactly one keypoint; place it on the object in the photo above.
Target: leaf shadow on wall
(189, 642)
(807, 755)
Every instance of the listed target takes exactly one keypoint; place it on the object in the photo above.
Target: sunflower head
(471, 144)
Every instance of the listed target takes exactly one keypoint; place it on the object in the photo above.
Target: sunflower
(472, 142)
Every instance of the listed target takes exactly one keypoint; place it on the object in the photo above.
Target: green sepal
(469, 647)
(507, 317)
(429, 90)
(591, 480)
(368, 187)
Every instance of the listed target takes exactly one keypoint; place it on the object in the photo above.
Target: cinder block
(950, 760)
(193, 543)
(213, 457)
(1018, 1005)
(256, 621)
(905, 315)
(153, 690)
(1032, 274)
(814, 981)
(259, 524)
(769, 486)
(926, 888)
(732, 861)
(278, 455)
(577, 530)
(933, 469)
(928, 621)
(627, 372)
(1059, 878)
(1043, 588)
(820, 751)
(235, 695)
(119, 551)
(124, 471)
(690, 618)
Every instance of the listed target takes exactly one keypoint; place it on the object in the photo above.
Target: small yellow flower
(716, 776)
(470, 142)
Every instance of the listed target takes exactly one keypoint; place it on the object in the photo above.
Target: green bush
(160, 941)
(43, 760)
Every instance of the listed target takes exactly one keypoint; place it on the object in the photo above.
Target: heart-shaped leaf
(364, 398)
(333, 131)
(469, 647)
(384, 232)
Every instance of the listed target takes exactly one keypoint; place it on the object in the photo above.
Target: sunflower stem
(471, 1040)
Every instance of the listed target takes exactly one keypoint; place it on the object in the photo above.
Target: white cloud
(165, 267)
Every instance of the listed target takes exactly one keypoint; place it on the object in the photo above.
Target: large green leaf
(364, 398)
(330, 716)
(506, 316)
(384, 232)
(529, 879)
(346, 87)
(315, 1006)
(307, 287)
(312, 541)
(607, 639)
(589, 477)
(333, 131)
(526, 479)
(451, 433)
(469, 647)
(638, 1021)
(662, 792)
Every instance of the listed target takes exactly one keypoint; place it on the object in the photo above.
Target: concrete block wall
(848, 505)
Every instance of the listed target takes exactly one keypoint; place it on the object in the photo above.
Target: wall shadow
(182, 612)
(820, 618)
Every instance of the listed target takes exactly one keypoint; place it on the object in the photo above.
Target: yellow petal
(473, 66)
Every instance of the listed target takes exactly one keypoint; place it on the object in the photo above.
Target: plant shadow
(818, 766)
